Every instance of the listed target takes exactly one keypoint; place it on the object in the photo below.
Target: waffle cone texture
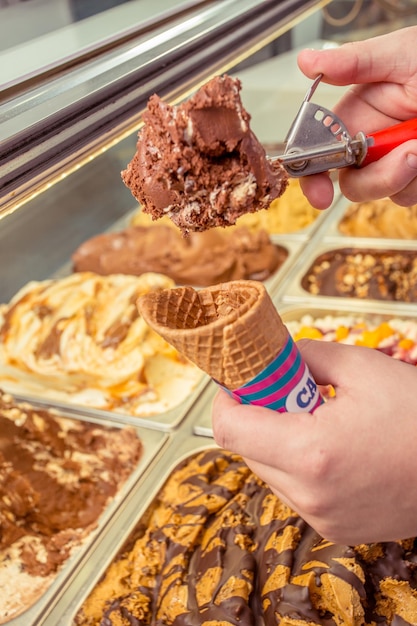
(232, 331)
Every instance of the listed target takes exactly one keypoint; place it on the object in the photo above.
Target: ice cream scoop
(318, 140)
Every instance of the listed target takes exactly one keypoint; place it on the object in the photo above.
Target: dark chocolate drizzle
(243, 536)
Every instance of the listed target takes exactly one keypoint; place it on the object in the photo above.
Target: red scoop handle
(383, 141)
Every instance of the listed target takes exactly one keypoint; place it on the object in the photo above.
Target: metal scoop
(319, 141)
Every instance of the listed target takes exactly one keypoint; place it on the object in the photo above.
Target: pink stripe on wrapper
(285, 385)
(275, 376)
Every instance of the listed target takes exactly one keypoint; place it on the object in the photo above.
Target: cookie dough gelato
(57, 476)
(80, 339)
(219, 548)
(200, 163)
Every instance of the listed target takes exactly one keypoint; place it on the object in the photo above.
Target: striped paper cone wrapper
(234, 333)
(285, 385)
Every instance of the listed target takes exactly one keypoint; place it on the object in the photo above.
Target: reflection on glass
(24, 20)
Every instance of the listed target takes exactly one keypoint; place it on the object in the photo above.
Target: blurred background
(23, 20)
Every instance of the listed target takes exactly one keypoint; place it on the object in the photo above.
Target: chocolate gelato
(218, 547)
(57, 476)
(363, 273)
(200, 163)
(200, 259)
(289, 213)
(80, 339)
(380, 218)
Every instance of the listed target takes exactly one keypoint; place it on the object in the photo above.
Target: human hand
(350, 468)
(383, 75)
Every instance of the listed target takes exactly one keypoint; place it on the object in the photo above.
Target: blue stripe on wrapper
(285, 385)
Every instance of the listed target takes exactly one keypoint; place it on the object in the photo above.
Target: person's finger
(374, 107)
(394, 175)
(318, 190)
(249, 430)
(324, 360)
(344, 366)
(283, 485)
(372, 60)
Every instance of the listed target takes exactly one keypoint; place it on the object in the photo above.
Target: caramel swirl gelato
(80, 339)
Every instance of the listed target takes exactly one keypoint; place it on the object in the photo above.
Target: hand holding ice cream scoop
(201, 164)
(234, 333)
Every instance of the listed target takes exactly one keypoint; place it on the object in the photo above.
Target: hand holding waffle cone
(234, 333)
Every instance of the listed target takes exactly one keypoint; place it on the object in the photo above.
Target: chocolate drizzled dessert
(218, 547)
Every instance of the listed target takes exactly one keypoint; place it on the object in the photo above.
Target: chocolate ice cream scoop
(200, 163)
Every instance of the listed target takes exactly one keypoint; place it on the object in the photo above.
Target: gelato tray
(371, 272)
(214, 545)
(373, 220)
(364, 273)
(79, 340)
(392, 332)
(200, 259)
(62, 479)
(246, 251)
(379, 218)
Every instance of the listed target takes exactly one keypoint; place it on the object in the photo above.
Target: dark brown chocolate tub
(389, 275)
(62, 478)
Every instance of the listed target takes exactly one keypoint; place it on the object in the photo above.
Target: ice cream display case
(90, 397)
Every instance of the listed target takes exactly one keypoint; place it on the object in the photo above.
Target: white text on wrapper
(304, 396)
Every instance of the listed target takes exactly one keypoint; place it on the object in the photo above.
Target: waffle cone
(232, 331)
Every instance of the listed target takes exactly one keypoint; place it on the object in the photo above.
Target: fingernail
(412, 161)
